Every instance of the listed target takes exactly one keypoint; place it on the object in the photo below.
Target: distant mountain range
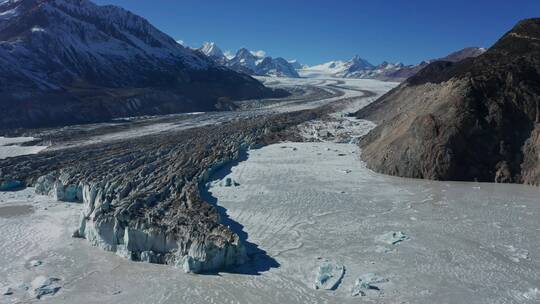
(71, 61)
(248, 62)
(361, 68)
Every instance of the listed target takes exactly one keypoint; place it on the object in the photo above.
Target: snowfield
(319, 225)
(430, 242)
(11, 146)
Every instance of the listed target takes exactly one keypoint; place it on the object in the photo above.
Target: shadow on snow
(258, 260)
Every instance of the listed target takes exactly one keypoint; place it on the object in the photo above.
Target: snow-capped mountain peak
(245, 53)
(244, 59)
(357, 63)
(339, 68)
(276, 67)
(250, 62)
(361, 68)
(210, 49)
(297, 65)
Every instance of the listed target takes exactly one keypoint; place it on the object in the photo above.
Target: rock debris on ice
(35, 263)
(392, 238)
(6, 291)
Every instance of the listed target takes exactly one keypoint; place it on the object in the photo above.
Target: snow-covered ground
(428, 242)
(313, 207)
(333, 232)
(34, 229)
(11, 146)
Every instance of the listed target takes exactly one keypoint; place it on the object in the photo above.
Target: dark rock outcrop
(477, 119)
(71, 61)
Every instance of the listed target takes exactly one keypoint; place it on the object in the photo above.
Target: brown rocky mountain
(71, 61)
(463, 54)
(407, 71)
(477, 119)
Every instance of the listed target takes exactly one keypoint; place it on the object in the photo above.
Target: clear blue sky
(315, 31)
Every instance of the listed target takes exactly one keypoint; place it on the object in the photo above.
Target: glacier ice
(366, 282)
(207, 257)
(149, 245)
(42, 286)
(329, 275)
(11, 185)
(24, 286)
(59, 188)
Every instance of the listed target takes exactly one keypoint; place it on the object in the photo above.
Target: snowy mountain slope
(244, 61)
(330, 68)
(339, 68)
(358, 64)
(296, 64)
(71, 61)
(211, 50)
(247, 62)
(78, 37)
(278, 67)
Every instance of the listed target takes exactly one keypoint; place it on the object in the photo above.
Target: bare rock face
(141, 197)
(476, 119)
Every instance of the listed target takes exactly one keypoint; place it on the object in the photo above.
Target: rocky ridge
(476, 119)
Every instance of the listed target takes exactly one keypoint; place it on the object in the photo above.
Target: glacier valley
(318, 226)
